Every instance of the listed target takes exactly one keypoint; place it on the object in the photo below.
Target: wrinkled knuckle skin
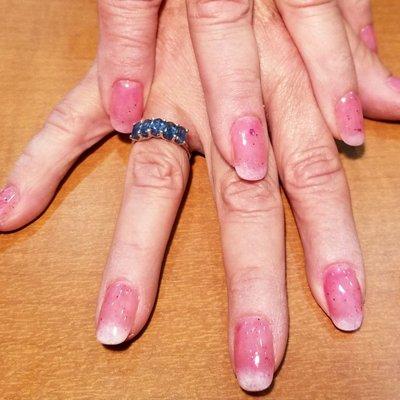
(244, 199)
(244, 280)
(160, 173)
(217, 12)
(307, 3)
(313, 170)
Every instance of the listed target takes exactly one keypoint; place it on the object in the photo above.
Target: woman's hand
(345, 73)
(250, 213)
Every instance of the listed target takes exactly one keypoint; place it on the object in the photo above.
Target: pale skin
(335, 39)
(251, 216)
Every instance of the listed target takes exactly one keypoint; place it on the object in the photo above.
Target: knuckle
(245, 280)
(314, 169)
(244, 199)
(160, 172)
(308, 3)
(218, 12)
(65, 124)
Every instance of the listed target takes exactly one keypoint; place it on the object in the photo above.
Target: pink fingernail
(249, 148)
(117, 313)
(253, 354)
(368, 36)
(8, 199)
(350, 120)
(394, 83)
(126, 105)
(344, 298)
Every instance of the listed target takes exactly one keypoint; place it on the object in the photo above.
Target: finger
(251, 220)
(126, 53)
(314, 181)
(318, 31)
(379, 89)
(73, 126)
(227, 57)
(155, 182)
(358, 14)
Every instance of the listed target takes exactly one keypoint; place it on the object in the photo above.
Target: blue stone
(181, 134)
(157, 126)
(135, 135)
(169, 131)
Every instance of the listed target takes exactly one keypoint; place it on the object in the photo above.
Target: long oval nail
(253, 354)
(117, 313)
(8, 200)
(126, 106)
(350, 121)
(249, 148)
(367, 35)
(343, 296)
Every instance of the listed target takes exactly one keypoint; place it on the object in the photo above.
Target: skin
(250, 213)
(329, 34)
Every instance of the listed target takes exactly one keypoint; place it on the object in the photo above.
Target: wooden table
(51, 270)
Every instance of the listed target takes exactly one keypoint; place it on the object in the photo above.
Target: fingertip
(249, 148)
(394, 83)
(249, 173)
(126, 105)
(367, 35)
(343, 297)
(347, 325)
(254, 354)
(254, 382)
(9, 197)
(117, 314)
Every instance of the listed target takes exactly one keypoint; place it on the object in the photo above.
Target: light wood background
(50, 272)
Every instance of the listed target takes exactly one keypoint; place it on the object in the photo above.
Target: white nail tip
(111, 335)
(254, 382)
(349, 325)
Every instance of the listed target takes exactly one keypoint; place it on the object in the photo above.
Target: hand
(335, 39)
(250, 213)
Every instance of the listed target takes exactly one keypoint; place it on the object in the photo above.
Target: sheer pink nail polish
(8, 200)
(343, 296)
(253, 354)
(249, 148)
(349, 117)
(117, 313)
(368, 36)
(126, 106)
(394, 83)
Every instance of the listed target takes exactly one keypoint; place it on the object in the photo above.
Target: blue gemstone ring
(160, 129)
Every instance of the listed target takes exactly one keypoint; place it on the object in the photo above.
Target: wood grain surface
(51, 270)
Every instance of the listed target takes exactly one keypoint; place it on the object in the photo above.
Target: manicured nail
(126, 105)
(117, 313)
(344, 298)
(8, 199)
(350, 120)
(394, 83)
(367, 35)
(249, 148)
(253, 354)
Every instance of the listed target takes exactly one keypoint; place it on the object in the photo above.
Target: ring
(160, 129)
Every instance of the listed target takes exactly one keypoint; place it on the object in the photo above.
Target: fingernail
(368, 36)
(8, 199)
(350, 120)
(249, 148)
(253, 354)
(126, 105)
(117, 313)
(344, 298)
(394, 83)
